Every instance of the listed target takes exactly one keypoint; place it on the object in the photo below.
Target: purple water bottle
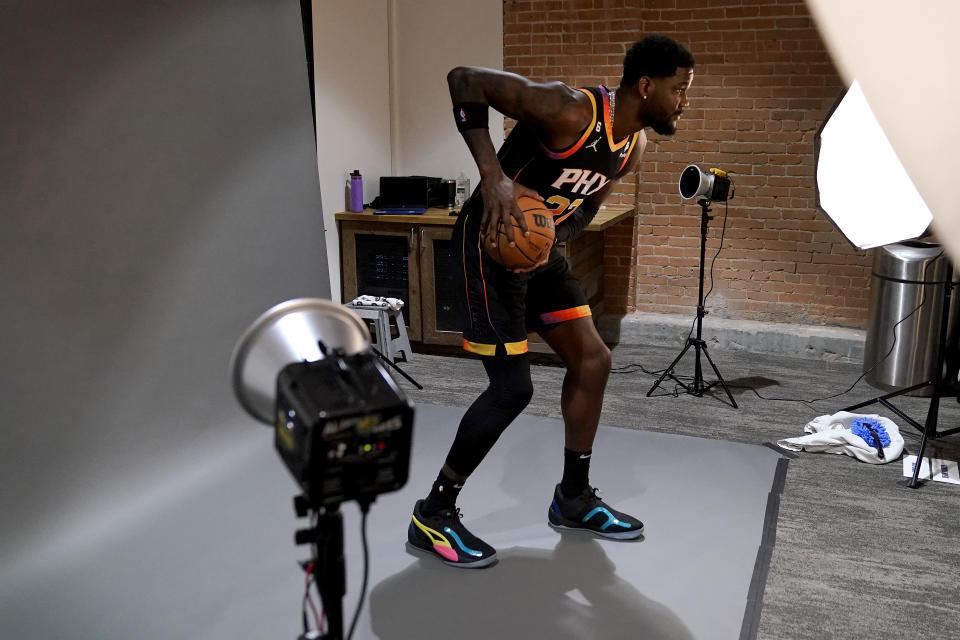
(356, 191)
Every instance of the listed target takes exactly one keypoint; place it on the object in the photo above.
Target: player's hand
(500, 195)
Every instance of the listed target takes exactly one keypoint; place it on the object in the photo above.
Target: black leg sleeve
(509, 393)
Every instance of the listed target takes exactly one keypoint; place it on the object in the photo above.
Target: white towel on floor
(376, 301)
(832, 434)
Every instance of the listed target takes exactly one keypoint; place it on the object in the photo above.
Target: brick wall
(763, 84)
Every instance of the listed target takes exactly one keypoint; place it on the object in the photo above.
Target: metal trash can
(905, 275)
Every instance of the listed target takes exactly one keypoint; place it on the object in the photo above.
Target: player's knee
(510, 385)
(594, 365)
(514, 395)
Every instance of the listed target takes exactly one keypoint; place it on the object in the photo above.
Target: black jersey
(567, 177)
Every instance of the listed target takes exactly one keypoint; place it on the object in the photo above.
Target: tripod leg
(929, 430)
(914, 482)
(698, 386)
(720, 377)
(396, 368)
(669, 369)
(894, 394)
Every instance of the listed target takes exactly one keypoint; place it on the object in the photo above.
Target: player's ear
(644, 87)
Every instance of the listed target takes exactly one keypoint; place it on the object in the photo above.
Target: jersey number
(563, 207)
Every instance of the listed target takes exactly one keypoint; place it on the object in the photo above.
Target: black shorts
(500, 307)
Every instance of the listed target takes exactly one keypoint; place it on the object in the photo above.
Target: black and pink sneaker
(444, 536)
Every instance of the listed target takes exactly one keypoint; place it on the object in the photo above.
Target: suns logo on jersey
(584, 181)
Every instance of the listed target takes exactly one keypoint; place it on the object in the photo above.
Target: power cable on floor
(634, 367)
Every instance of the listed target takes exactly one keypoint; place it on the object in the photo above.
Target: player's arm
(558, 112)
(579, 219)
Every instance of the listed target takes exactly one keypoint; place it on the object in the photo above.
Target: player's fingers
(485, 223)
(505, 218)
(521, 219)
(521, 190)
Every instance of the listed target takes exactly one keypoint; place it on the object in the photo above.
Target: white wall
(382, 101)
(351, 67)
(437, 35)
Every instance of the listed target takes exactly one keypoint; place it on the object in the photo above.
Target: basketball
(529, 250)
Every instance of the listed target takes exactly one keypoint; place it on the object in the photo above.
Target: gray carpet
(856, 555)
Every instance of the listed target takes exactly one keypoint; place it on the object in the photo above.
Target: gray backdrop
(158, 190)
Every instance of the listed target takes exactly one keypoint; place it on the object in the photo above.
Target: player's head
(661, 70)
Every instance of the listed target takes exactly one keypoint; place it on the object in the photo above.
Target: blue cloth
(862, 427)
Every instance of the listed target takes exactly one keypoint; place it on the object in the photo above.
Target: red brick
(764, 83)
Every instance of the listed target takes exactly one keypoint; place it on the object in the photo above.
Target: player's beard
(665, 126)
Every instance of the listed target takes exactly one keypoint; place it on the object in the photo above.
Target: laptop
(404, 195)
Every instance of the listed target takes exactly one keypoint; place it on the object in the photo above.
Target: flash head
(712, 185)
(341, 424)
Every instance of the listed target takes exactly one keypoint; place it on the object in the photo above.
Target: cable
(723, 231)
(713, 261)
(923, 301)
(308, 579)
(634, 367)
(364, 508)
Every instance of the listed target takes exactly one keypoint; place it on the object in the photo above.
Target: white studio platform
(218, 561)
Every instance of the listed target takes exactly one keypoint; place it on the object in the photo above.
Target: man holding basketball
(567, 150)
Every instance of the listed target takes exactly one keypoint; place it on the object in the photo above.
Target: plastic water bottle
(356, 191)
(463, 190)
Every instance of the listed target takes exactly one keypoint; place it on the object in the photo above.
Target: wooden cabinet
(438, 294)
(408, 257)
(379, 261)
(386, 255)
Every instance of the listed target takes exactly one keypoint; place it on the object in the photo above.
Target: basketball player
(568, 148)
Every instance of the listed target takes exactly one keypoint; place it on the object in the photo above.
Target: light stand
(341, 424)
(942, 388)
(393, 365)
(697, 387)
(326, 541)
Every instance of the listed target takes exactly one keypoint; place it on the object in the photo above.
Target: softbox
(861, 186)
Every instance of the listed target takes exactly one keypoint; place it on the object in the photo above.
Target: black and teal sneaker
(443, 535)
(587, 512)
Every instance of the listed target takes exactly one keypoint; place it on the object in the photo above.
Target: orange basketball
(531, 249)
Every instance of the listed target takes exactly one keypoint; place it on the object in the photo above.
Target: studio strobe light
(342, 428)
(706, 187)
(341, 424)
(712, 185)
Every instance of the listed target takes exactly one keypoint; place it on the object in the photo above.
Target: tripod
(396, 368)
(942, 388)
(697, 387)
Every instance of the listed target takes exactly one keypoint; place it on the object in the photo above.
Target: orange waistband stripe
(512, 348)
(515, 348)
(566, 314)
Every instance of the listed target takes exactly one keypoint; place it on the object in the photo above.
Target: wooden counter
(606, 217)
(406, 257)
